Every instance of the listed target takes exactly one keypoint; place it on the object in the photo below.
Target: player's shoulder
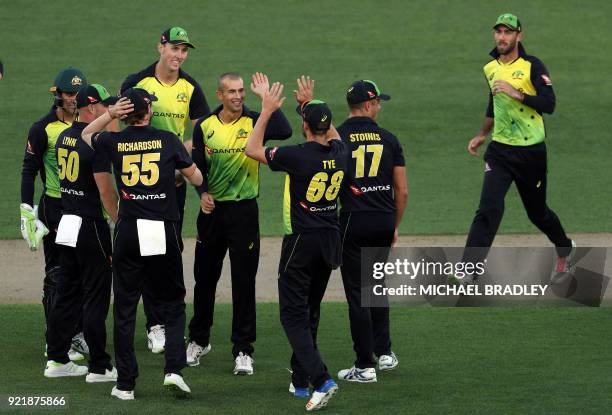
(249, 113)
(40, 124)
(490, 65)
(534, 60)
(208, 117)
(184, 75)
(133, 79)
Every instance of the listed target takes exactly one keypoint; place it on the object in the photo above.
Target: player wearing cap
(311, 246)
(85, 246)
(40, 157)
(229, 216)
(147, 250)
(373, 200)
(520, 92)
(179, 99)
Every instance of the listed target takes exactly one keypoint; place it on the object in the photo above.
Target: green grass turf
(460, 361)
(427, 54)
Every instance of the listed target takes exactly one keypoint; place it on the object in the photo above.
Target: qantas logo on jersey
(72, 192)
(367, 189)
(227, 150)
(168, 115)
(209, 150)
(315, 209)
(130, 196)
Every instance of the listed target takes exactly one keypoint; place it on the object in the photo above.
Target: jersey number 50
(133, 165)
(68, 164)
(318, 186)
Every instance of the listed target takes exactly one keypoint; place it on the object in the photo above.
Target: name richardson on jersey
(358, 137)
(140, 146)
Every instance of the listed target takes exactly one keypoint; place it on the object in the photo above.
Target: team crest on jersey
(518, 74)
(546, 79)
(181, 97)
(242, 133)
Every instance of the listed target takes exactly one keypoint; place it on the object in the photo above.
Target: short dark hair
(234, 76)
(358, 106)
(136, 117)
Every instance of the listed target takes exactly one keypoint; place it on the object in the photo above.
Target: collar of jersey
(360, 120)
(246, 112)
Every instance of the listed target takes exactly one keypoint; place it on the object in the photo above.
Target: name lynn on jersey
(69, 141)
(140, 146)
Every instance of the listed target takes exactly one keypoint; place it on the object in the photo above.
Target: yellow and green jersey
(40, 155)
(519, 123)
(176, 104)
(218, 151)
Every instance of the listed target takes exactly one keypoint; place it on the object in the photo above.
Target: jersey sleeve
(283, 158)
(101, 163)
(199, 157)
(129, 82)
(198, 107)
(398, 153)
(544, 101)
(36, 146)
(278, 127)
(181, 156)
(489, 113)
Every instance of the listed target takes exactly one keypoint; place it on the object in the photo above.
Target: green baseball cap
(94, 94)
(510, 21)
(176, 36)
(68, 80)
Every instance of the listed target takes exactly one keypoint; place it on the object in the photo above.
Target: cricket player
(84, 243)
(229, 217)
(373, 201)
(179, 99)
(146, 247)
(520, 92)
(311, 246)
(41, 222)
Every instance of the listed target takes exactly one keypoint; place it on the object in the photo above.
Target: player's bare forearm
(400, 193)
(108, 194)
(254, 147)
(487, 126)
(193, 175)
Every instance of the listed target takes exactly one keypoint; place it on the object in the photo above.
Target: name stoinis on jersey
(140, 146)
(364, 137)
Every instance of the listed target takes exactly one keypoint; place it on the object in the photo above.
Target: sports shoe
(322, 395)
(157, 339)
(244, 365)
(388, 361)
(108, 376)
(354, 374)
(176, 384)
(79, 344)
(75, 356)
(123, 395)
(299, 392)
(195, 351)
(564, 266)
(59, 370)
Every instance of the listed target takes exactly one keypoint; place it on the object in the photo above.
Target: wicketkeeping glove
(32, 229)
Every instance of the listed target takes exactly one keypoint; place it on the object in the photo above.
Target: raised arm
(271, 101)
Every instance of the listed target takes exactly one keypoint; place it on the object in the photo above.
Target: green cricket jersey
(40, 156)
(218, 151)
(520, 123)
(176, 104)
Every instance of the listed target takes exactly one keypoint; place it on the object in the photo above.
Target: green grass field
(427, 54)
(460, 361)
